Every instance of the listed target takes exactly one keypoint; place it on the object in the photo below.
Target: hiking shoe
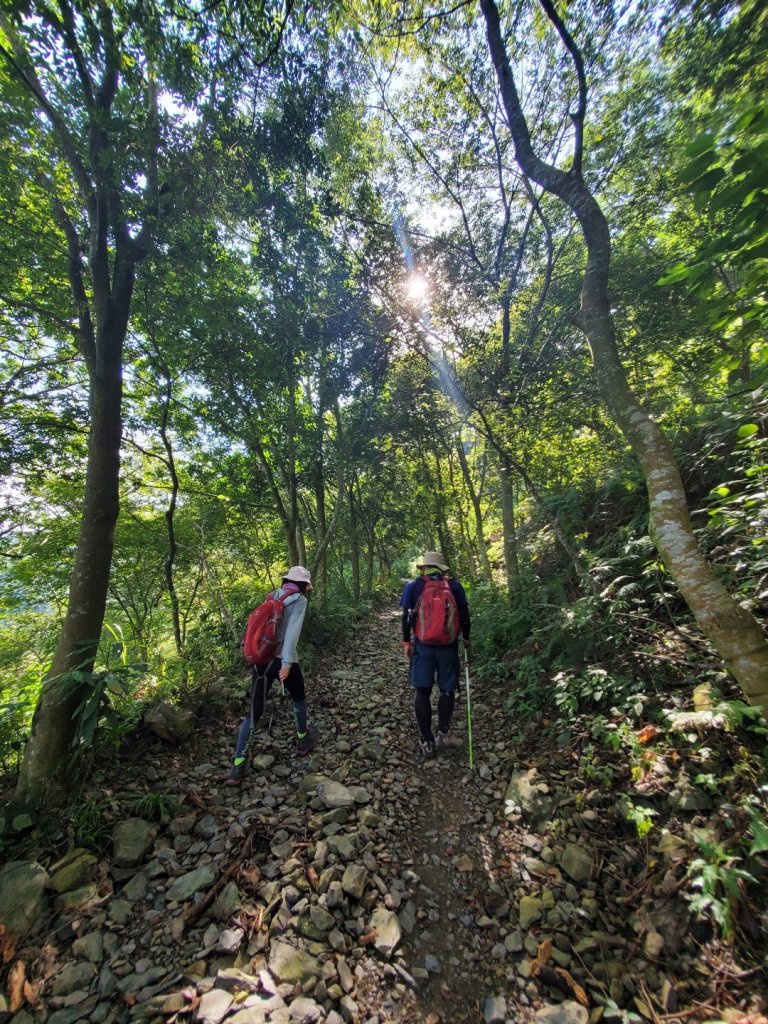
(427, 747)
(307, 743)
(236, 773)
(444, 739)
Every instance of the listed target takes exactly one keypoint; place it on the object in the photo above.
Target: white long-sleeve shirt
(294, 610)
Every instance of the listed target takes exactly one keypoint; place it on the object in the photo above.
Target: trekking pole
(469, 710)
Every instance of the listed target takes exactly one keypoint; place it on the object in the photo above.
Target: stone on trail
(187, 885)
(132, 839)
(73, 976)
(169, 722)
(569, 1012)
(232, 979)
(530, 910)
(304, 1010)
(90, 947)
(334, 794)
(388, 931)
(495, 1010)
(22, 896)
(230, 939)
(214, 1006)
(290, 964)
(576, 862)
(73, 871)
(528, 797)
(343, 846)
(354, 880)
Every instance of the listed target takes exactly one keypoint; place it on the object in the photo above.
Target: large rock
(74, 870)
(388, 931)
(170, 723)
(290, 964)
(526, 796)
(22, 896)
(132, 839)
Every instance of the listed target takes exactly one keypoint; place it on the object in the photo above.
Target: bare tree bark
(735, 633)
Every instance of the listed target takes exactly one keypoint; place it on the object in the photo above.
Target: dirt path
(365, 885)
(436, 822)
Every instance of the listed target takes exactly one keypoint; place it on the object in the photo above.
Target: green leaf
(747, 430)
(759, 831)
(708, 181)
(679, 272)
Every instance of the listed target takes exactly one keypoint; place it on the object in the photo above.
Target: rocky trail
(363, 884)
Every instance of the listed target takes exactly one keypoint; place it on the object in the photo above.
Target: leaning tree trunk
(53, 728)
(735, 633)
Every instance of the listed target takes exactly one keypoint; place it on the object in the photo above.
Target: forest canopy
(329, 286)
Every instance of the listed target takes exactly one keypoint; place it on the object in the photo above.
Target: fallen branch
(196, 910)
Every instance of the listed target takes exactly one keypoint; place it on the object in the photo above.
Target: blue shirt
(412, 593)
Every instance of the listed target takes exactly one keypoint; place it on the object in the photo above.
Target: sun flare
(417, 288)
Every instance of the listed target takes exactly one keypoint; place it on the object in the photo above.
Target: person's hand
(407, 648)
(467, 649)
(283, 674)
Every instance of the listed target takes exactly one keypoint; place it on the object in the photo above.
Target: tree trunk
(735, 633)
(53, 729)
(511, 563)
(475, 499)
(354, 539)
(170, 513)
(370, 561)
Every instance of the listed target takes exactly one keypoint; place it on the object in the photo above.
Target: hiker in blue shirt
(296, 584)
(436, 612)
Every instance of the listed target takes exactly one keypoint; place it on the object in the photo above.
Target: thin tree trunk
(733, 631)
(370, 561)
(354, 539)
(511, 563)
(475, 499)
(170, 512)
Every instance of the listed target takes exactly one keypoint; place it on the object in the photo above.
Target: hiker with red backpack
(269, 647)
(436, 612)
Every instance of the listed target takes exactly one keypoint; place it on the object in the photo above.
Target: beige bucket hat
(432, 559)
(298, 574)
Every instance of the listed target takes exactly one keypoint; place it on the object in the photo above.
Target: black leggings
(260, 688)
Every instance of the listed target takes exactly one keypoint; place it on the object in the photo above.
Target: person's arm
(408, 603)
(294, 613)
(463, 606)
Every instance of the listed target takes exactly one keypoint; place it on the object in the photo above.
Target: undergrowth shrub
(594, 688)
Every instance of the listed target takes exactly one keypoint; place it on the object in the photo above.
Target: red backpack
(261, 639)
(437, 614)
